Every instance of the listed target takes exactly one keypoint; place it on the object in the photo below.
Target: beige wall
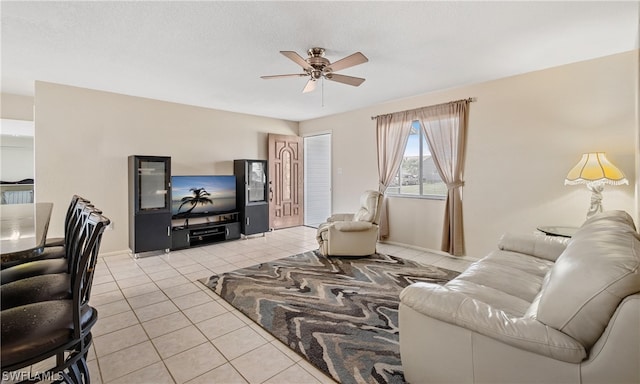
(83, 138)
(525, 133)
(16, 107)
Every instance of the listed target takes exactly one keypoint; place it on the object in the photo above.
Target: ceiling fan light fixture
(316, 66)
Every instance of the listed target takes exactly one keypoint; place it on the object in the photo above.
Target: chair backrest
(71, 217)
(82, 276)
(369, 211)
(73, 244)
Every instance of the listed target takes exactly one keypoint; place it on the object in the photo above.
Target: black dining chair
(46, 279)
(68, 219)
(59, 264)
(62, 328)
(55, 251)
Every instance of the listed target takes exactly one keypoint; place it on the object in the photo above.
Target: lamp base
(596, 199)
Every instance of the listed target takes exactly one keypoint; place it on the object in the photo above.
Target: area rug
(341, 314)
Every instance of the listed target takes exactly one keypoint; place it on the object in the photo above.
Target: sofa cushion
(545, 247)
(454, 307)
(506, 274)
(591, 277)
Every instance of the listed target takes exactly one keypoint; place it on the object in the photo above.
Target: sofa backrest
(590, 278)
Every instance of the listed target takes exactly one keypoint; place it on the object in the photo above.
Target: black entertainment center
(176, 212)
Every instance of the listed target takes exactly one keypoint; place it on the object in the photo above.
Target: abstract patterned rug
(341, 314)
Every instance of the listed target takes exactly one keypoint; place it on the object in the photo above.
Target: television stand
(218, 228)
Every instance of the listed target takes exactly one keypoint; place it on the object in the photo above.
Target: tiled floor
(158, 324)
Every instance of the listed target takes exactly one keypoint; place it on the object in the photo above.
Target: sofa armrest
(353, 226)
(444, 304)
(340, 217)
(544, 247)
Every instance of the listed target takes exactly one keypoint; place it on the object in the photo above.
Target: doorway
(286, 190)
(317, 179)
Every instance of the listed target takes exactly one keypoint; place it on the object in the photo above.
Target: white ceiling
(212, 54)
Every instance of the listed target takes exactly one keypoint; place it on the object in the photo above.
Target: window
(418, 175)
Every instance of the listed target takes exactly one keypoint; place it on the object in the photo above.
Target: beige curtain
(392, 133)
(445, 127)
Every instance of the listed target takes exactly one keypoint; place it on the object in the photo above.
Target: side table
(553, 230)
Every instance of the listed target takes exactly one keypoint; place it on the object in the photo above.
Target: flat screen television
(194, 196)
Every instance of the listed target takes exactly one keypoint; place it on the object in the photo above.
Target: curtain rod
(470, 99)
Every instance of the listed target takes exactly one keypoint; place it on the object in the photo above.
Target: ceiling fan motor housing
(315, 52)
(318, 62)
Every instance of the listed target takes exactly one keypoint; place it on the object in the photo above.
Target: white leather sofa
(352, 234)
(535, 310)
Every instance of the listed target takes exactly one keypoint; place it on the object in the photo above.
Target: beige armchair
(352, 234)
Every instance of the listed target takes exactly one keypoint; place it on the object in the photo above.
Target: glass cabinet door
(256, 180)
(153, 183)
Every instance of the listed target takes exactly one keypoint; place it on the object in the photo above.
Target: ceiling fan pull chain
(322, 92)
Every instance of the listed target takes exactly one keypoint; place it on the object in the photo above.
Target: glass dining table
(23, 230)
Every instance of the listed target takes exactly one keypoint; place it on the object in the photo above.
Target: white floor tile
(192, 299)
(258, 373)
(123, 338)
(204, 311)
(293, 374)
(110, 309)
(127, 360)
(114, 323)
(155, 373)
(238, 342)
(181, 290)
(220, 325)
(166, 324)
(178, 341)
(194, 362)
(138, 290)
(156, 310)
(223, 374)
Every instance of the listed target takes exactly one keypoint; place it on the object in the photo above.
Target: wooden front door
(286, 181)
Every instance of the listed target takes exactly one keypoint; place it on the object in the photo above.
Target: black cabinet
(252, 195)
(180, 238)
(149, 203)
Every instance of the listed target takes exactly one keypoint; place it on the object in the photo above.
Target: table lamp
(595, 170)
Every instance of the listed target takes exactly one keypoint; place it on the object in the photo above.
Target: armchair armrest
(340, 217)
(544, 247)
(444, 304)
(353, 226)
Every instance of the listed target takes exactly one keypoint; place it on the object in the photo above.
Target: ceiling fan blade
(350, 80)
(296, 58)
(311, 85)
(349, 61)
(283, 76)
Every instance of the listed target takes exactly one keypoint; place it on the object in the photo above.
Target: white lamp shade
(595, 168)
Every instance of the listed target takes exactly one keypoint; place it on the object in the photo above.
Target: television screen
(202, 195)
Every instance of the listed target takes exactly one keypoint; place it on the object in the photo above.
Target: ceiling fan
(316, 66)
